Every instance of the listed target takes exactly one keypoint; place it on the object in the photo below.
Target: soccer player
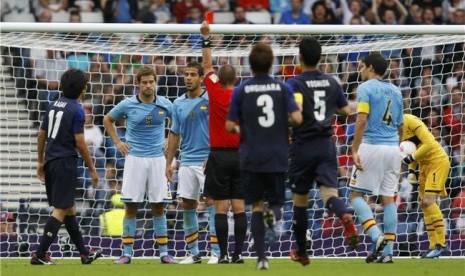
(190, 128)
(434, 169)
(61, 133)
(376, 153)
(313, 153)
(222, 181)
(263, 107)
(146, 114)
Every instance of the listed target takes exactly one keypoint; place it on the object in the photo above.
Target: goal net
(426, 63)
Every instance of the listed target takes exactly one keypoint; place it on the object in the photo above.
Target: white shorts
(381, 170)
(190, 182)
(145, 176)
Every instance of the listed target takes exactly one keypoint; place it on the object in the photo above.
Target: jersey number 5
(387, 116)
(266, 102)
(54, 123)
(320, 104)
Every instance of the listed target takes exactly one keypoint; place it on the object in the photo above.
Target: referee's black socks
(240, 230)
(221, 227)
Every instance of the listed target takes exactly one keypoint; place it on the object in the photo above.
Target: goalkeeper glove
(412, 177)
(408, 159)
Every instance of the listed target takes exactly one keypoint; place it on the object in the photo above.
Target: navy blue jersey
(64, 118)
(261, 105)
(321, 95)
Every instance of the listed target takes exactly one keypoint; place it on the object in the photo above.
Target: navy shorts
(61, 181)
(313, 160)
(264, 186)
(223, 178)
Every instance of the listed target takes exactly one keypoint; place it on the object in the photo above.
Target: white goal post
(426, 62)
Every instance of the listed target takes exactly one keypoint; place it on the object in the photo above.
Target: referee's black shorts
(223, 179)
(61, 182)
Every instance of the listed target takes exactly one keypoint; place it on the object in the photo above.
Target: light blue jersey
(383, 103)
(145, 124)
(190, 121)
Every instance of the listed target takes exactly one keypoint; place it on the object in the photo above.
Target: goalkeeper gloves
(412, 177)
(408, 159)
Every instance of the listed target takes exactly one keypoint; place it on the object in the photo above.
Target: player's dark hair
(196, 65)
(261, 59)
(310, 50)
(227, 75)
(145, 71)
(72, 83)
(377, 61)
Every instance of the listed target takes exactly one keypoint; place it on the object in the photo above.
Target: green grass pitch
(285, 267)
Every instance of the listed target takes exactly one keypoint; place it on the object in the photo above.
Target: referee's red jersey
(219, 99)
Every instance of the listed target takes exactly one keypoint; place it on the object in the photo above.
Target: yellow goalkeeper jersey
(428, 149)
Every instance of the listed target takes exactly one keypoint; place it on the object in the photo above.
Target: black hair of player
(72, 83)
(261, 59)
(227, 75)
(377, 61)
(310, 50)
(196, 65)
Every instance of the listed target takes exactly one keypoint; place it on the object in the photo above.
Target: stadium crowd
(431, 79)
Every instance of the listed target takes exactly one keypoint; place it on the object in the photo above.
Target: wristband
(206, 43)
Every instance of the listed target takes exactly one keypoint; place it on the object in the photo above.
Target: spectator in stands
(14, 8)
(254, 5)
(295, 15)
(181, 9)
(415, 16)
(457, 75)
(395, 77)
(119, 11)
(321, 14)
(288, 68)
(390, 12)
(450, 7)
(111, 222)
(278, 6)
(239, 16)
(51, 5)
(216, 5)
(123, 76)
(421, 105)
(157, 11)
(458, 17)
(431, 82)
(353, 10)
(453, 117)
(171, 84)
(433, 5)
(195, 17)
(326, 66)
(7, 222)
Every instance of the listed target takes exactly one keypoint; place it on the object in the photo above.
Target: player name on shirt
(269, 87)
(60, 104)
(317, 83)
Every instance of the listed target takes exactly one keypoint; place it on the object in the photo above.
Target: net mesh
(427, 68)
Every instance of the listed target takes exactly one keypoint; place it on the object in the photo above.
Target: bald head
(227, 75)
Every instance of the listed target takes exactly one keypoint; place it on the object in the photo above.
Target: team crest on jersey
(203, 107)
(148, 120)
(214, 78)
(161, 112)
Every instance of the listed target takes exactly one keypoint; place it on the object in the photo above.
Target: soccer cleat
(381, 242)
(191, 259)
(92, 256)
(47, 260)
(303, 260)
(350, 231)
(423, 255)
(168, 259)
(436, 252)
(213, 259)
(237, 259)
(385, 259)
(223, 259)
(263, 264)
(123, 260)
(269, 220)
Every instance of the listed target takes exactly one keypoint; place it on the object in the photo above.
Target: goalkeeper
(434, 168)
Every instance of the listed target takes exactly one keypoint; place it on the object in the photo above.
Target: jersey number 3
(54, 123)
(265, 101)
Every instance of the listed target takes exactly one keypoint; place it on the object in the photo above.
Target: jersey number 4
(54, 123)
(387, 116)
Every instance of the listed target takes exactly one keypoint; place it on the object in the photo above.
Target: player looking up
(263, 107)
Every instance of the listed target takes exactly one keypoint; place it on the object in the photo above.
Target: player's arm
(343, 107)
(233, 113)
(207, 62)
(109, 124)
(294, 105)
(173, 144)
(40, 154)
(360, 126)
(84, 151)
(427, 143)
(344, 111)
(232, 127)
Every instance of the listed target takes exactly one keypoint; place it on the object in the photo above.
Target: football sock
(129, 231)
(211, 228)
(221, 225)
(50, 232)
(191, 230)
(336, 205)
(365, 217)
(435, 224)
(240, 230)
(258, 233)
(390, 227)
(75, 234)
(300, 225)
(161, 234)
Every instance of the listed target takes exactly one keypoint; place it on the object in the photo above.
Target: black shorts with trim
(61, 181)
(222, 172)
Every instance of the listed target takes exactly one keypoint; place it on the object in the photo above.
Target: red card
(209, 15)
